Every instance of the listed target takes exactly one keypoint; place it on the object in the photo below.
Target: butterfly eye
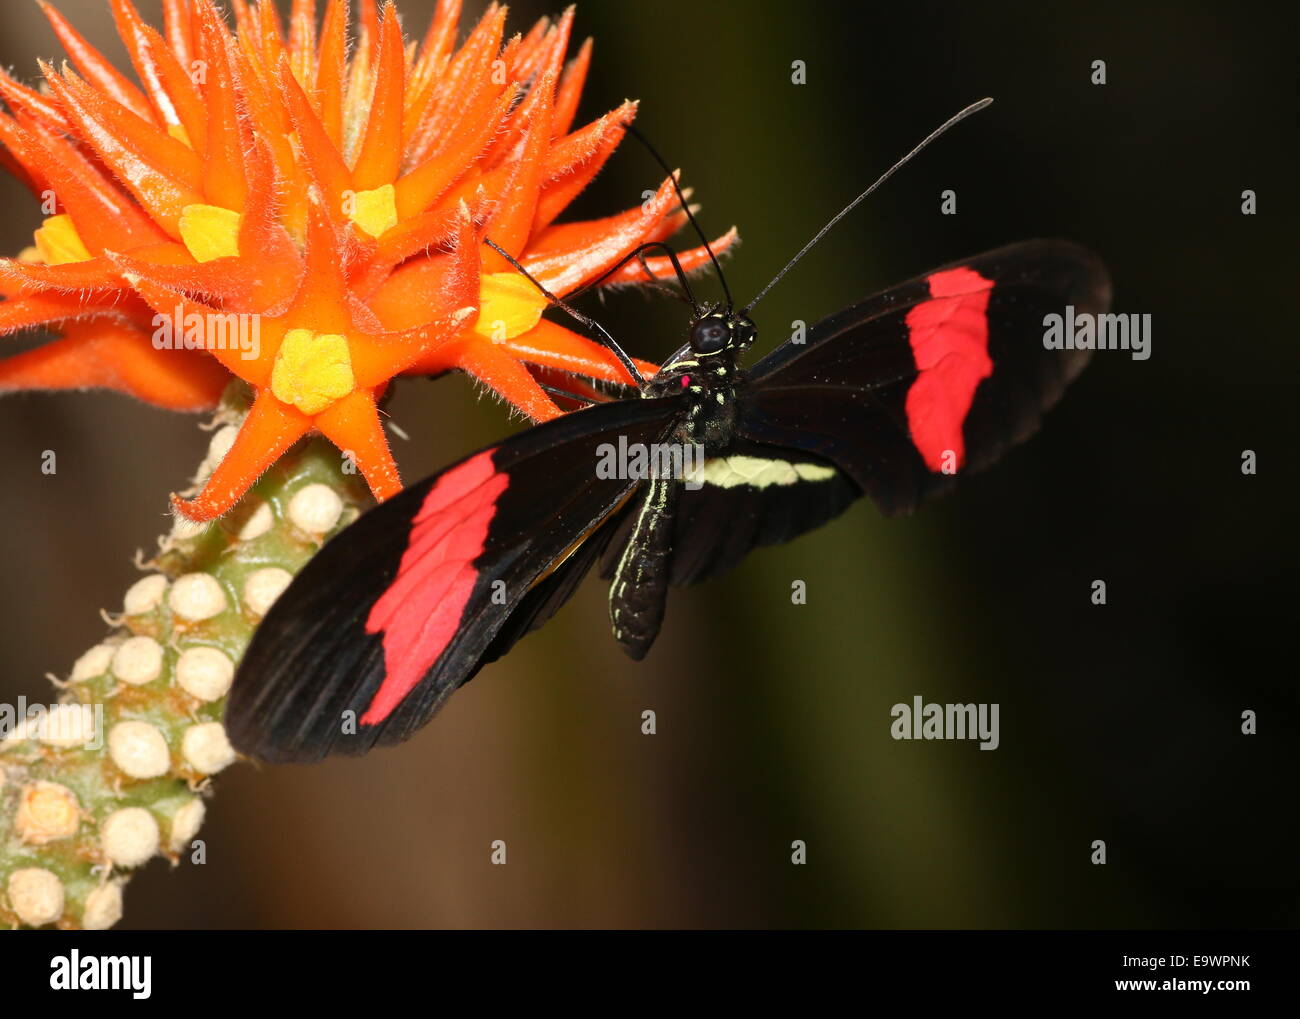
(710, 335)
(746, 332)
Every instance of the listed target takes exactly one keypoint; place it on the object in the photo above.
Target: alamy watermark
(640, 461)
(70, 725)
(919, 720)
(212, 330)
(1086, 331)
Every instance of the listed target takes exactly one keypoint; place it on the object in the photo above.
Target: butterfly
(892, 398)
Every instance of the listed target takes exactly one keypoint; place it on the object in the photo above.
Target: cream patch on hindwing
(757, 472)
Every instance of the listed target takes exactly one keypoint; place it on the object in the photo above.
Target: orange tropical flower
(272, 208)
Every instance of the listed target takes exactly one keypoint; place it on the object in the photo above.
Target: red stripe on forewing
(950, 342)
(422, 609)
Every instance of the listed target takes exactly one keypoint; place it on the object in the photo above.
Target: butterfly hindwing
(933, 378)
(752, 495)
(388, 619)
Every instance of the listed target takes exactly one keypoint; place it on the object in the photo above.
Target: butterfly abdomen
(639, 590)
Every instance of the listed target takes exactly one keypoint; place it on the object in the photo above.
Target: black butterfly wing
(933, 378)
(951, 362)
(753, 495)
(403, 606)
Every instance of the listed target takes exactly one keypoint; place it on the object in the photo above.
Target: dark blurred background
(1119, 722)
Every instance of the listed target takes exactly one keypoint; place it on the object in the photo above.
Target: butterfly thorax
(708, 387)
(707, 376)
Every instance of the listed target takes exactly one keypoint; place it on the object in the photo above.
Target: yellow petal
(59, 243)
(509, 305)
(312, 370)
(210, 231)
(374, 211)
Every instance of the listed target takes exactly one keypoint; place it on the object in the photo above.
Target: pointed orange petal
(544, 72)
(246, 25)
(279, 266)
(269, 430)
(570, 90)
(178, 29)
(381, 152)
(432, 229)
(448, 296)
(270, 35)
(272, 125)
(94, 274)
(103, 215)
(322, 301)
(323, 160)
(20, 154)
(439, 41)
(163, 173)
(97, 69)
(31, 102)
(531, 50)
(509, 379)
(302, 40)
(108, 355)
(469, 72)
(121, 138)
(511, 223)
(553, 346)
(45, 309)
(353, 425)
(171, 89)
(224, 182)
(576, 160)
(331, 68)
(420, 188)
(368, 22)
(575, 384)
(566, 256)
(174, 305)
(224, 281)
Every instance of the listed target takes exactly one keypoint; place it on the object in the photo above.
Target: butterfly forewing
(933, 378)
(386, 622)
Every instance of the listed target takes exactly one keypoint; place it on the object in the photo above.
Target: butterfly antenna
(639, 253)
(590, 323)
(672, 175)
(950, 122)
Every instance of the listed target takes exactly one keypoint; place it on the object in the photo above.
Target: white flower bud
(138, 660)
(197, 596)
(36, 895)
(315, 508)
(186, 823)
(129, 836)
(139, 749)
(258, 523)
(263, 587)
(103, 907)
(145, 595)
(47, 811)
(93, 663)
(205, 672)
(206, 748)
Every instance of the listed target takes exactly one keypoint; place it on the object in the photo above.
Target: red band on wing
(950, 342)
(422, 609)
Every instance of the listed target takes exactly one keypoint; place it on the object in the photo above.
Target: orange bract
(269, 207)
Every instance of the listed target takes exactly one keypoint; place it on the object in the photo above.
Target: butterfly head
(721, 332)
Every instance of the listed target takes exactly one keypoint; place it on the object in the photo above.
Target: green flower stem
(117, 772)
